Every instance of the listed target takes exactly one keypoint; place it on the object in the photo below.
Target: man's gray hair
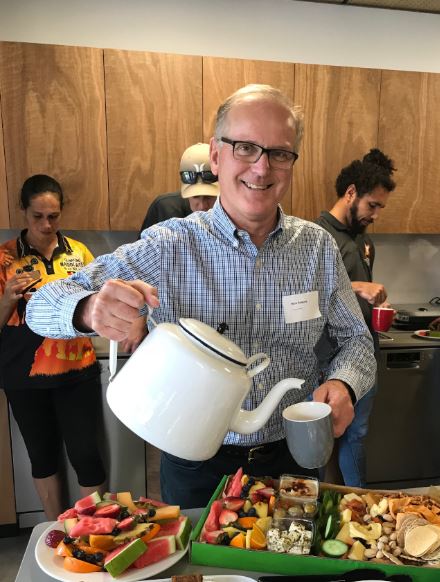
(260, 92)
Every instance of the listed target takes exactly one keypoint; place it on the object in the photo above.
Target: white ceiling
(413, 5)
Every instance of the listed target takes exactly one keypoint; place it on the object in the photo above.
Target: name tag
(301, 307)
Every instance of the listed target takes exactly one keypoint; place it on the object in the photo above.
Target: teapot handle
(113, 352)
(260, 367)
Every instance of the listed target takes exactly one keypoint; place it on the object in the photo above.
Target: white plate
(422, 334)
(52, 565)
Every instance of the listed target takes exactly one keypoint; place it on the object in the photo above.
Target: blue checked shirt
(207, 269)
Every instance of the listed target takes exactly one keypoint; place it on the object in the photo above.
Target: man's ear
(214, 155)
(350, 193)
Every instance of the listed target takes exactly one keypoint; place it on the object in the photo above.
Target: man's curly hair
(374, 170)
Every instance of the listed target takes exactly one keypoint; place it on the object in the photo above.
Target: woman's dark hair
(374, 170)
(38, 184)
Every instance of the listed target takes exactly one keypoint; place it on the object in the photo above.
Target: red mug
(382, 318)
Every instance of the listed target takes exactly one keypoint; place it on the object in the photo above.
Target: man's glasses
(190, 177)
(246, 151)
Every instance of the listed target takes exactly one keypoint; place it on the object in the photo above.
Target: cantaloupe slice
(166, 512)
(124, 498)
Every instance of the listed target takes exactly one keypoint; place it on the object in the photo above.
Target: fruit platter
(100, 539)
(295, 524)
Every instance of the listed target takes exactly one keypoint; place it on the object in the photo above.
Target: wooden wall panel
(4, 207)
(154, 112)
(221, 77)
(409, 131)
(7, 496)
(54, 123)
(341, 107)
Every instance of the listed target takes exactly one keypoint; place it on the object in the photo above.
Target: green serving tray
(264, 561)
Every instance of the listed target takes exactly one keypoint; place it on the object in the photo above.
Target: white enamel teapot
(183, 387)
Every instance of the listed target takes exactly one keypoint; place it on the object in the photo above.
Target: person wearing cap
(198, 189)
(276, 281)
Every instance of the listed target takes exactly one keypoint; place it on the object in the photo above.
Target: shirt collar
(24, 248)
(334, 221)
(225, 225)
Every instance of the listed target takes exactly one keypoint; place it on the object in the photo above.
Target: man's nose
(262, 165)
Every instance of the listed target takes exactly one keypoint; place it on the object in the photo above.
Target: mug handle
(113, 352)
(260, 367)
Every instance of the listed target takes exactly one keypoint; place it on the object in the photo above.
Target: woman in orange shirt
(53, 386)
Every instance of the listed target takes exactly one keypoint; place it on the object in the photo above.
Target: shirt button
(258, 263)
(258, 306)
(260, 386)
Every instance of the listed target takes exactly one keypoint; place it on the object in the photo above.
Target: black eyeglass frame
(268, 151)
(191, 177)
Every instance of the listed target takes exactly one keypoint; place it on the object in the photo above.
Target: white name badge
(301, 307)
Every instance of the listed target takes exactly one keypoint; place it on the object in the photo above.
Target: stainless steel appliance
(402, 443)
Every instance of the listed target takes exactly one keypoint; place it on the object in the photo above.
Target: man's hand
(138, 331)
(374, 293)
(336, 394)
(435, 324)
(111, 311)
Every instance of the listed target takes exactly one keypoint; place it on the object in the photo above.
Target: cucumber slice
(334, 548)
(329, 527)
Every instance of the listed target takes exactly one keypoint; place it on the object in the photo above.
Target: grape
(54, 537)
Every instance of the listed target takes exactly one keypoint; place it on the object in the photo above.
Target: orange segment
(247, 522)
(75, 565)
(63, 550)
(152, 532)
(88, 549)
(238, 541)
(258, 538)
(271, 504)
(102, 542)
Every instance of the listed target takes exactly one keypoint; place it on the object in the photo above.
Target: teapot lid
(213, 340)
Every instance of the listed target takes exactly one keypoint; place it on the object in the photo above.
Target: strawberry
(54, 537)
(227, 517)
(266, 492)
(233, 503)
(127, 523)
(112, 510)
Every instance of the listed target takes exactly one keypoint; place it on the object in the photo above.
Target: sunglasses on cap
(191, 177)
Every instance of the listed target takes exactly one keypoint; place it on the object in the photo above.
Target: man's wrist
(81, 315)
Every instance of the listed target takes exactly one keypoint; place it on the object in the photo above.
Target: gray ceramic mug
(309, 433)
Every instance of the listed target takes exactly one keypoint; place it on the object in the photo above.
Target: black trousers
(70, 413)
(192, 483)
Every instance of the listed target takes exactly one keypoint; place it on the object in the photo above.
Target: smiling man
(244, 264)
(363, 188)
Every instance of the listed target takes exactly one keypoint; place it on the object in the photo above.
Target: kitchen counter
(404, 339)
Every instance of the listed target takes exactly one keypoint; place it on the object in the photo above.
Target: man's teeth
(255, 186)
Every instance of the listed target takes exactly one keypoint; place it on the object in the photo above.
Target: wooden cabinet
(409, 131)
(4, 207)
(7, 497)
(341, 108)
(221, 77)
(52, 101)
(154, 112)
(112, 125)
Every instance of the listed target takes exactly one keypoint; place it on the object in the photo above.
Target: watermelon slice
(212, 521)
(157, 549)
(234, 486)
(122, 557)
(93, 525)
(179, 528)
(87, 505)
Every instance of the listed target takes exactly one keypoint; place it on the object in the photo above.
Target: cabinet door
(53, 119)
(7, 497)
(341, 108)
(221, 77)
(4, 207)
(409, 131)
(154, 112)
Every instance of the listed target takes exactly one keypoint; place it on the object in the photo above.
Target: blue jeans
(351, 452)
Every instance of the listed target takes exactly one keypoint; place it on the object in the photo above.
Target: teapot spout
(248, 421)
